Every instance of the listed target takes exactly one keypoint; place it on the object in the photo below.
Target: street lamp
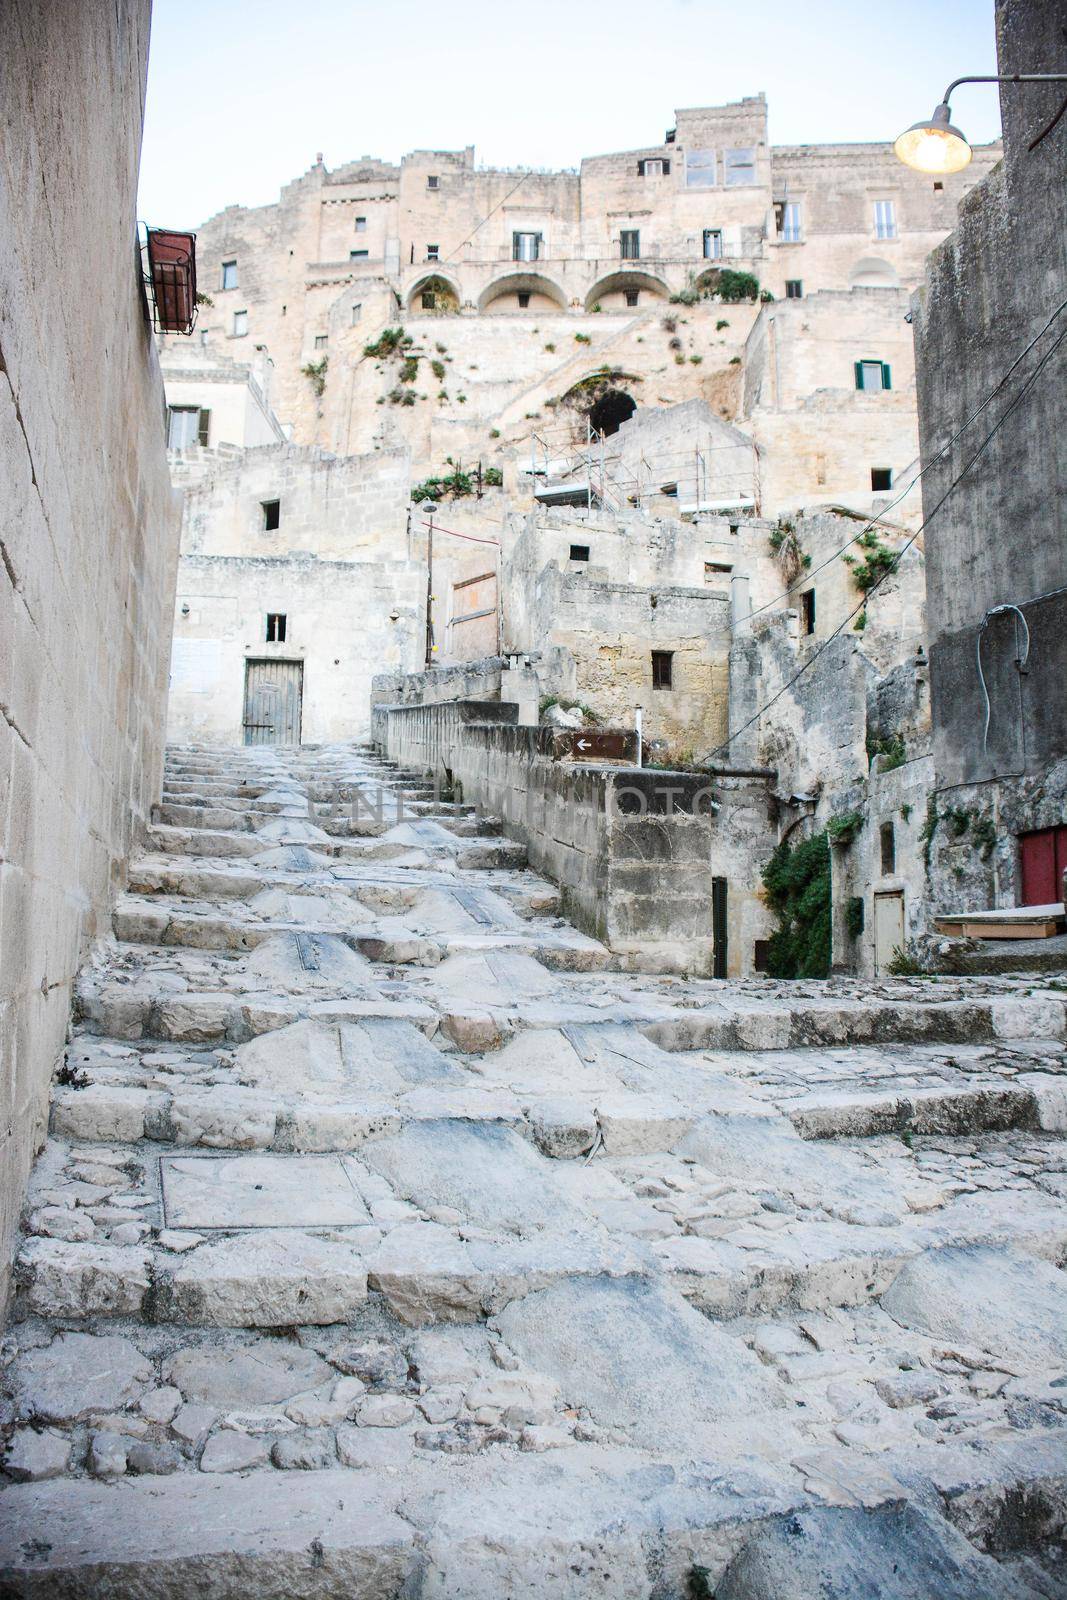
(936, 146)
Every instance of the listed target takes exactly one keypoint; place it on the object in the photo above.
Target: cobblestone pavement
(388, 1241)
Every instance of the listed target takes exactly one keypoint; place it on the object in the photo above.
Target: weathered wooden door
(273, 692)
(888, 928)
(1043, 858)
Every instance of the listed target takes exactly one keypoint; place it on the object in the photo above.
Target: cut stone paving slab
(379, 1056)
(265, 1372)
(490, 1175)
(78, 1375)
(644, 1361)
(1010, 1305)
(257, 1191)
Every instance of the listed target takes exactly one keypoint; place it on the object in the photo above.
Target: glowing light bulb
(934, 146)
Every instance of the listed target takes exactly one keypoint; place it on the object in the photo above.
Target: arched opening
(611, 411)
(433, 296)
(625, 291)
(871, 272)
(522, 291)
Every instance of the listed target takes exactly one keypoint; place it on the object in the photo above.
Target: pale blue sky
(241, 97)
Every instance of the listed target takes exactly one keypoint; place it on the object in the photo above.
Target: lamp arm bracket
(1008, 77)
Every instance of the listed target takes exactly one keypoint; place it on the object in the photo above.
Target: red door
(1043, 856)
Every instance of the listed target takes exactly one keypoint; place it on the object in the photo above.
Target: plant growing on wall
(890, 747)
(843, 829)
(787, 549)
(315, 373)
(797, 880)
(877, 561)
(409, 369)
(390, 342)
(723, 283)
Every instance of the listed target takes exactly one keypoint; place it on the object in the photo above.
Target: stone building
(522, 290)
(998, 545)
(300, 577)
(89, 534)
(214, 402)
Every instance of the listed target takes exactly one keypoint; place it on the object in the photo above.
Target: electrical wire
(473, 538)
(1020, 661)
(478, 226)
(1023, 392)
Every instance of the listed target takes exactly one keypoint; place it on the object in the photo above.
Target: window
(429, 300)
(872, 375)
(579, 552)
(712, 244)
(807, 610)
(630, 244)
(186, 426)
(321, 341)
(787, 215)
(433, 252)
(525, 246)
(888, 847)
(716, 571)
(361, 224)
(433, 181)
(357, 312)
(662, 668)
(358, 255)
(761, 955)
(229, 275)
(700, 169)
(881, 479)
(654, 167)
(938, 186)
(272, 515)
(523, 299)
(739, 166)
(240, 324)
(275, 627)
(632, 297)
(885, 219)
(794, 289)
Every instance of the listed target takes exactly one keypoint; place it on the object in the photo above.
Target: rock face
(897, 1553)
(388, 1241)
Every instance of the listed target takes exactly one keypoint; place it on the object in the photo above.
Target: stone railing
(629, 847)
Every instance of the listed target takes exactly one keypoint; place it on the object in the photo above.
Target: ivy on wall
(797, 880)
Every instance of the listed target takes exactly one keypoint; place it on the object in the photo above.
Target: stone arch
(619, 282)
(871, 272)
(610, 411)
(522, 283)
(439, 283)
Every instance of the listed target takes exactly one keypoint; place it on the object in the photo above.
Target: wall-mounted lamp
(936, 146)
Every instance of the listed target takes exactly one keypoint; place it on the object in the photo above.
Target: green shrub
(315, 372)
(438, 370)
(878, 560)
(797, 880)
(731, 286)
(409, 369)
(582, 338)
(388, 343)
(493, 478)
(721, 324)
(843, 829)
(890, 747)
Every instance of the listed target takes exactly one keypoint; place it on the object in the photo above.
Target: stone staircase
(388, 1241)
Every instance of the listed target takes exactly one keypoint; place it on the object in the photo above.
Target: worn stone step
(1034, 1100)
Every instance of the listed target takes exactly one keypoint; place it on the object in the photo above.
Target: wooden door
(1043, 858)
(888, 928)
(273, 694)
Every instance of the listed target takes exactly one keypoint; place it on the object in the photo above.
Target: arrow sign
(583, 744)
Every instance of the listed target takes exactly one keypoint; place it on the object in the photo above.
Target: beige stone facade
(88, 534)
(520, 286)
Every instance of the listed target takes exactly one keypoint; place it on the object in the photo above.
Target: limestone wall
(629, 848)
(89, 534)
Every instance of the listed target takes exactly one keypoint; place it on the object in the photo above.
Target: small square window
(938, 186)
(272, 515)
(433, 181)
(579, 552)
(654, 167)
(229, 275)
(524, 299)
(807, 610)
(717, 571)
(240, 324)
(275, 627)
(888, 846)
(361, 224)
(429, 300)
(321, 341)
(881, 479)
(433, 252)
(794, 289)
(357, 312)
(662, 669)
(632, 297)
(872, 376)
